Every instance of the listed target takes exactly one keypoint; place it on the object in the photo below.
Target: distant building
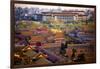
(66, 17)
(81, 14)
(82, 17)
(74, 11)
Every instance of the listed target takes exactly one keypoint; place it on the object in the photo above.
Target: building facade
(65, 17)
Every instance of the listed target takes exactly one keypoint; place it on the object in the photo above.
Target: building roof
(72, 11)
(59, 14)
(64, 13)
(82, 15)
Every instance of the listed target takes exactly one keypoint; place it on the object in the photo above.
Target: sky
(52, 7)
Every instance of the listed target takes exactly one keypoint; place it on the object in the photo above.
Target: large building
(65, 16)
